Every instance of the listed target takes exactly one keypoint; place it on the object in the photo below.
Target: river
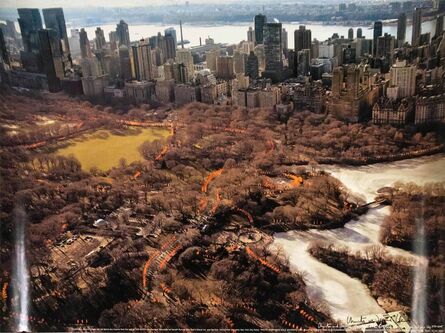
(234, 33)
(346, 296)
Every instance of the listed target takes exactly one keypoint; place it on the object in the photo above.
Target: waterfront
(234, 33)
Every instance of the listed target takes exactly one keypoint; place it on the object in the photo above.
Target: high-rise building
(403, 76)
(439, 25)
(259, 23)
(252, 66)
(184, 56)
(349, 55)
(350, 33)
(51, 58)
(91, 67)
(153, 41)
(100, 39)
(30, 23)
(4, 56)
(303, 62)
(85, 49)
(251, 35)
(225, 67)
(302, 39)
(350, 92)
(161, 45)
(180, 73)
(378, 31)
(284, 41)
(141, 61)
(170, 47)
(123, 34)
(385, 46)
(401, 29)
(124, 63)
(10, 29)
(363, 47)
(239, 62)
(111, 65)
(55, 20)
(417, 26)
(113, 40)
(171, 32)
(74, 42)
(175, 71)
(260, 53)
(211, 60)
(439, 5)
(273, 51)
(359, 33)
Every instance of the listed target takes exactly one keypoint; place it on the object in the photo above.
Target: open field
(103, 149)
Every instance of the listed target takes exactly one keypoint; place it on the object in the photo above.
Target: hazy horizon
(98, 3)
(134, 3)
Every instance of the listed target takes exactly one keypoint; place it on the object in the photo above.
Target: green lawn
(103, 150)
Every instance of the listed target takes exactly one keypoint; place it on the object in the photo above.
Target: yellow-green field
(103, 149)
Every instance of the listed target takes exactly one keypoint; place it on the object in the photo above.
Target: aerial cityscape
(246, 165)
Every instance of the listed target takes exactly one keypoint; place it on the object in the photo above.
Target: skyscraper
(55, 20)
(378, 31)
(51, 58)
(439, 25)
(10, 28)
(74, 42)
(184, 56)
(225, 67)
(30, 23)
(260, 53)
(170, 46)
(273, 51)
(259, 22)
(161, 44)
(401, 29)
(350, 33)
(303, 62)
(4, 57)
(284, 42)
(239, 62)
(252, 66)
(417, 26)
(123, 35)
(211, 60)
(85, 50)
(100, 39)
(113, 40)
(124, 63)
(403, 76)
(385, 46)
(141, 61)
(302, 39)
(251, 35)
(171, 32)
(349, 55)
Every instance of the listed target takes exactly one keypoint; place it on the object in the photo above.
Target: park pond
(346, 296)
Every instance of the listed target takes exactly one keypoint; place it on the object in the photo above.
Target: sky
(92, 3)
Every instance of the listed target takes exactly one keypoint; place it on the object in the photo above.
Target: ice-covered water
(346, 296)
